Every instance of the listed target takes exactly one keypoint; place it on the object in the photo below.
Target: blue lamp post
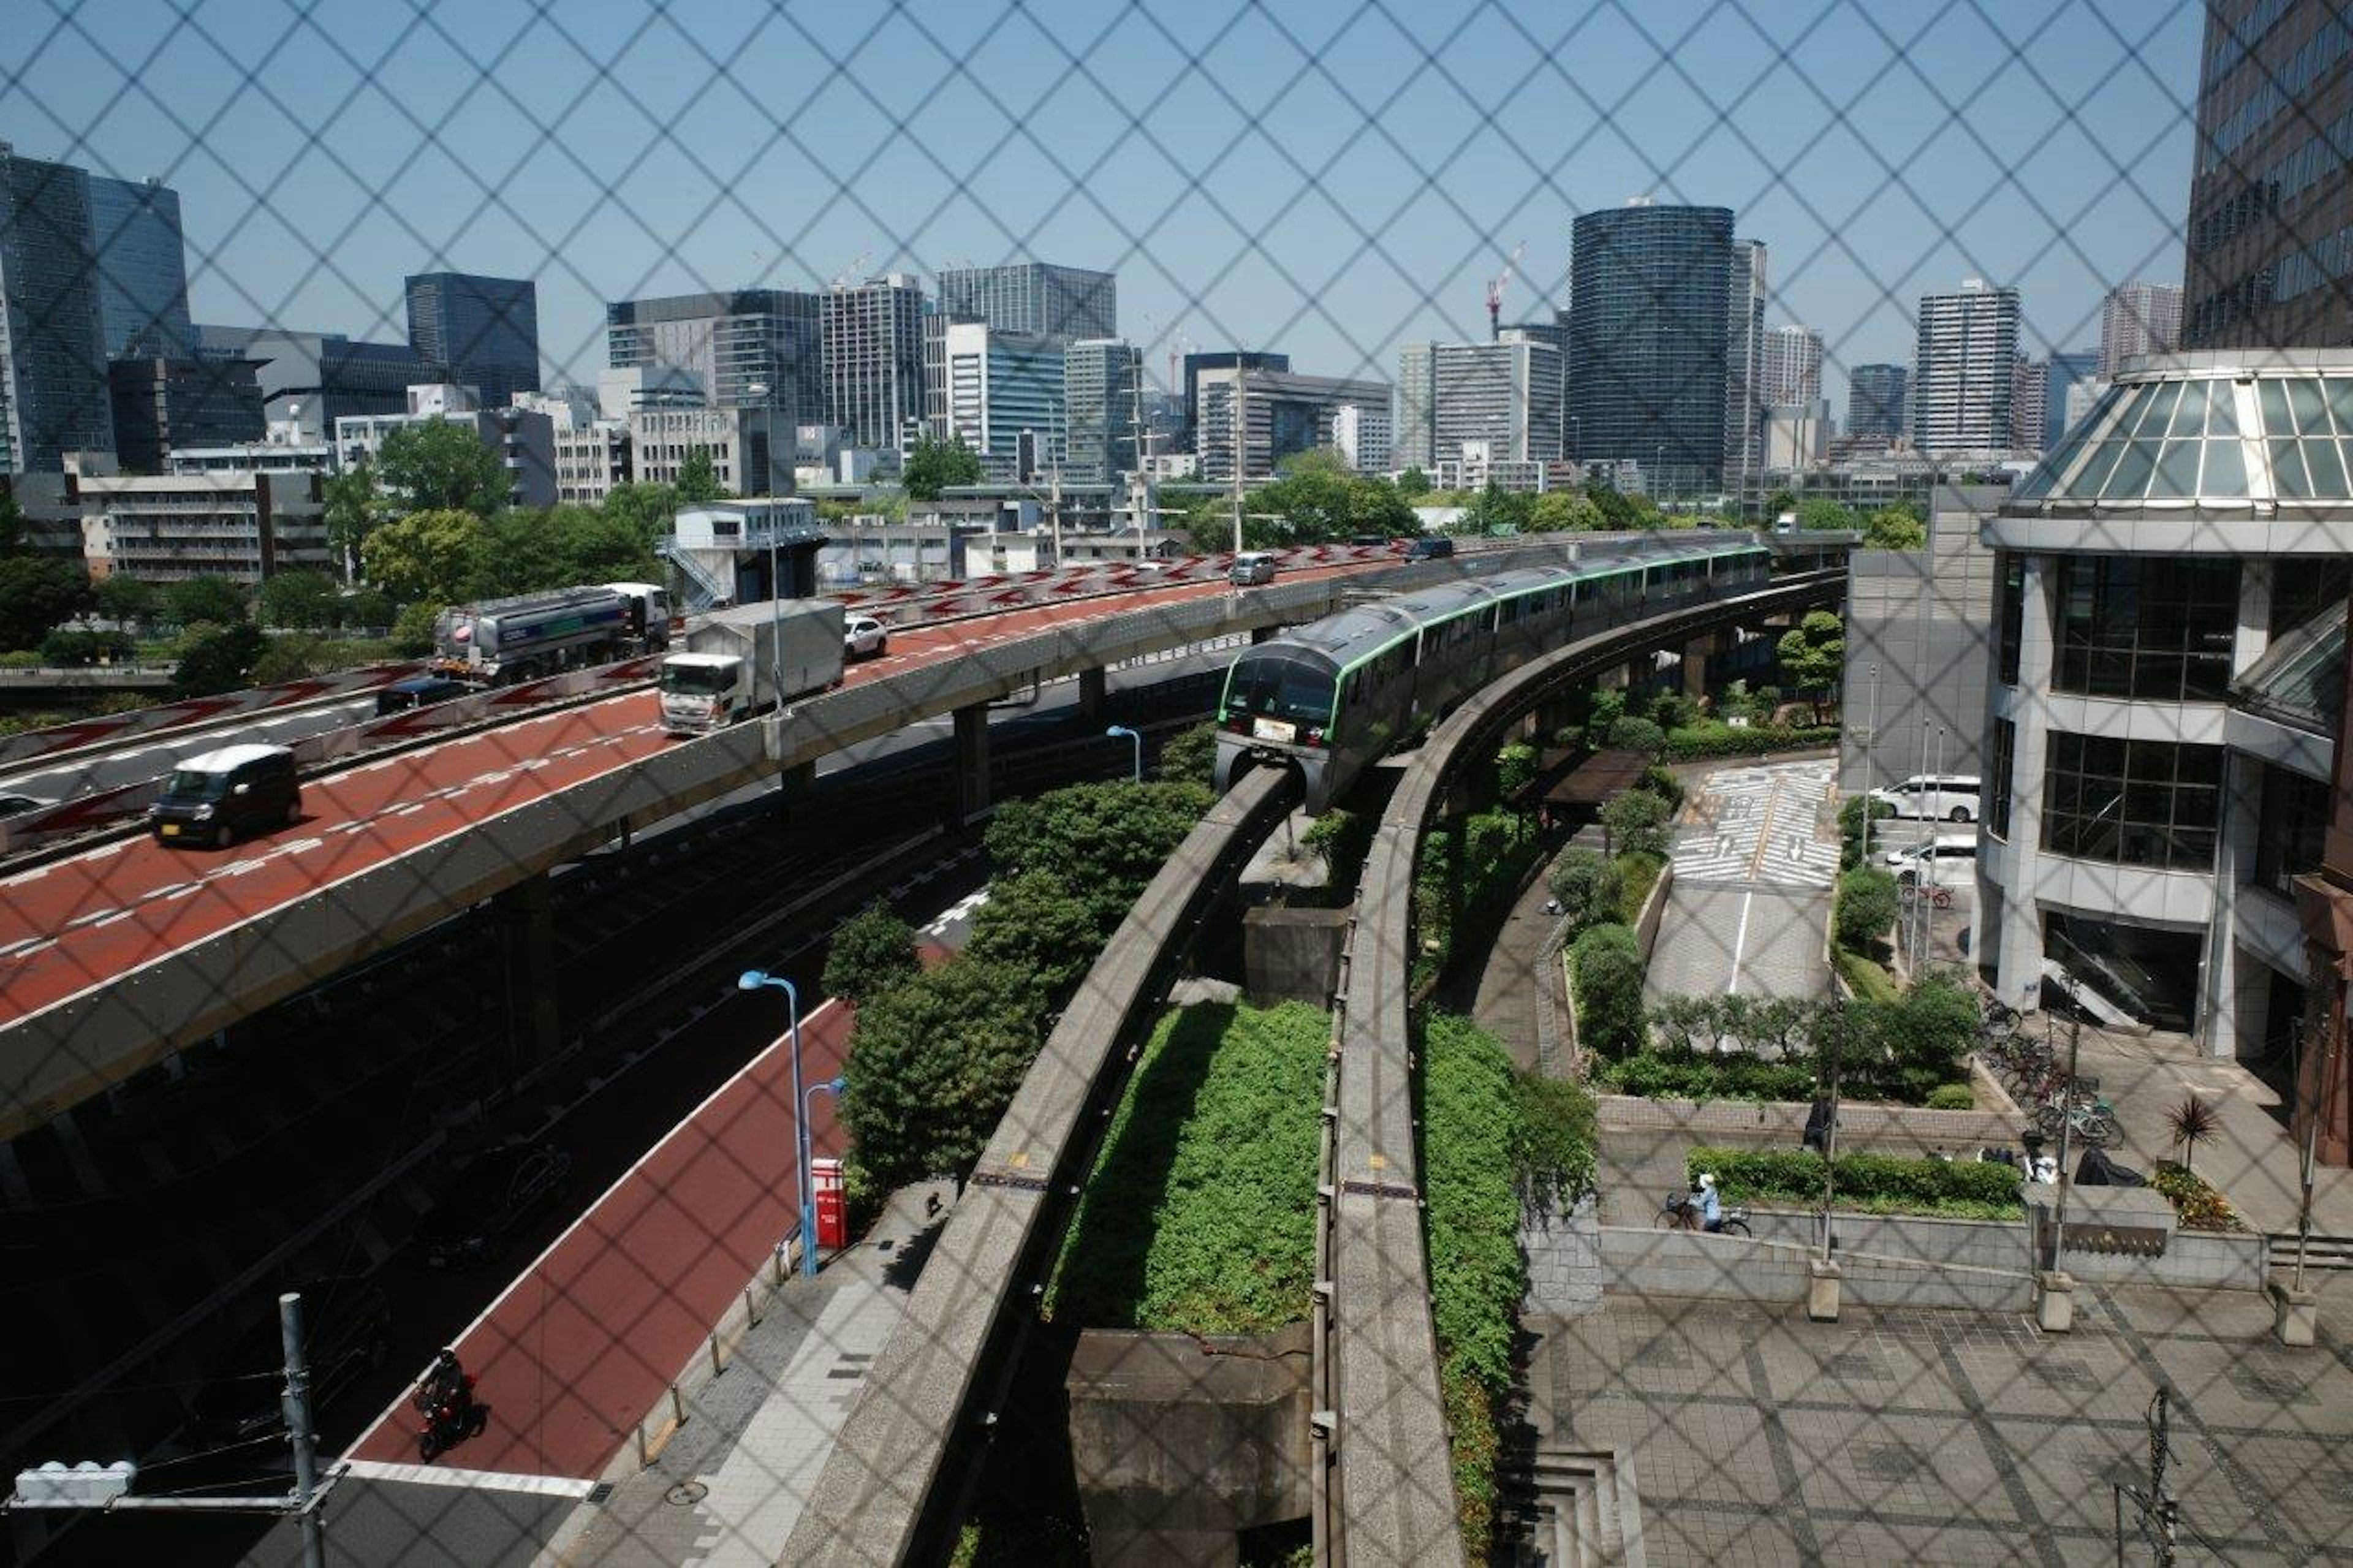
(1138, 777)
(752, 980)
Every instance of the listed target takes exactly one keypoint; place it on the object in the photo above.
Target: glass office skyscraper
(486, 330)
(1647, 329)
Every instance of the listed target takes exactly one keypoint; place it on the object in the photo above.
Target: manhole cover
(1888, 1461)
(2060, 1372)
(685, 1494)
(2266, 1386)
(1853, 1364)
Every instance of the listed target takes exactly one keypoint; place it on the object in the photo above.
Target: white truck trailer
(735, 658)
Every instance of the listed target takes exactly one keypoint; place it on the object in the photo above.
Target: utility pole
(1870, 774)
(298, 1428)
(107, 1490)
(1140, 494)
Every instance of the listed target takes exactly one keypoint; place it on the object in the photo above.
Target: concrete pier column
(1091, 684)
(526, 926)
(971, 762)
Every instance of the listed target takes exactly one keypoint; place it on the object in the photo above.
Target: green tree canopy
(697, 478)
(1038, 928)
(126, 601)
(1101, 841)
(1821, 513)
(219, 658)
(1779, 502)
(872, 952)
(1564, 511)
(1893, 528)
(1413, 482)
(438, 464)
(1189, 756)
(1813, 653)
(425, 556)
(933, 465)
(207, 599)
(1498, 509)
(933, 1064)
(305, 599)
(38, 593)
(648, 510)
(354, 507)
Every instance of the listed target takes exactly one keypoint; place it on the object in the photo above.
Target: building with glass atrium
(2166, 696)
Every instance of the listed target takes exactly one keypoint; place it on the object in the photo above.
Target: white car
(1951, 796)
(1943, 857)
(862, 637)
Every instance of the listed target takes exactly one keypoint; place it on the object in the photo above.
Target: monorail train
(532, 635)
(1329, 698)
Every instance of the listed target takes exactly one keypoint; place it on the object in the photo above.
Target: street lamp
(1123, 730)
(752, 980)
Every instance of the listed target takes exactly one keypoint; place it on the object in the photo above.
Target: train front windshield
(1280, 687)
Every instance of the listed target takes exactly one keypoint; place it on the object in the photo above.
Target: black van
(1430, 548)
(214, 797)
(422, 691)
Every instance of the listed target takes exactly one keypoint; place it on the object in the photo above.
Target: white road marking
(471, 1480)
(25, 945)
(110, 920)
(93, 918)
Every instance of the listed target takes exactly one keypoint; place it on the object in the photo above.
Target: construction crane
(1495, 293)
(855, 270)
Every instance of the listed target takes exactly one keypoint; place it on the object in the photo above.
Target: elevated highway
(1392, 1499)
(114, 957)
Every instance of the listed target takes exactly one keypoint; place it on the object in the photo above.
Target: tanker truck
(498, 641)
(733, 659)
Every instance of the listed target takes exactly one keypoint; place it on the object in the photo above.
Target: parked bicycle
(1938, 896)
(2089, 1121)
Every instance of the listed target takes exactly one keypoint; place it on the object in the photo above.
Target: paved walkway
(728, 1488)
(1951, 1437)
(1509, 986)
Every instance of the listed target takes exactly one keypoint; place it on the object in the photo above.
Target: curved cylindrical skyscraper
(1647, 332)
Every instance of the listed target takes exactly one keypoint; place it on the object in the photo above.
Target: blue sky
(1324, 179)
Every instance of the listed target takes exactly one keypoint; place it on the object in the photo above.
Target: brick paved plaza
(1950, 1438)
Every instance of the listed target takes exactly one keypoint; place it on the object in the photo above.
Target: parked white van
(1951, 796)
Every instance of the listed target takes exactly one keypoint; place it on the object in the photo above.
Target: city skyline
(1252, 258)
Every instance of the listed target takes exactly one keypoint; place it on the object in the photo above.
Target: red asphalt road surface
(582, 1345)
(80, 924)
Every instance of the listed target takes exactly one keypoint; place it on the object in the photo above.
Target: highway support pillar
(1696, 653)
(971, 762)
(1093, 686)
(526, 923)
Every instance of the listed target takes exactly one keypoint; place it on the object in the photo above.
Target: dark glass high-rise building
(1218, 359)
(2270, 254)
(750, 348)
(1876, 401)
(1034, 297)
(486, 330)
(1647, 329)
(91, 269)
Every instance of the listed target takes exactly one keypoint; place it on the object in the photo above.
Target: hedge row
(1654, 1075)
(1868, 1184)
(1198, 1216)
(1698, 741)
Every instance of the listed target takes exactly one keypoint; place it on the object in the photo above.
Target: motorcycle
(452, 1416)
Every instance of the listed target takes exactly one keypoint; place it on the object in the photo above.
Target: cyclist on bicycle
(1711, 1205)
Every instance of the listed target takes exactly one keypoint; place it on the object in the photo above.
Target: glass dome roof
(2226, 438)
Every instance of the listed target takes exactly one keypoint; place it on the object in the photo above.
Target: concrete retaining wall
(1862, 1129)
(1646, 924)
(1776, 1273)
(1564, 1255)
(2003, 1245)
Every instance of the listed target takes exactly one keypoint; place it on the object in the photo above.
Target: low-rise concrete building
(524, 439)
(242, 526)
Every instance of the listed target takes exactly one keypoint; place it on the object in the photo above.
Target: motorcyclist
(446, 1386)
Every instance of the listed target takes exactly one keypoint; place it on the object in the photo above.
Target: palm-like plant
(2192, 1120)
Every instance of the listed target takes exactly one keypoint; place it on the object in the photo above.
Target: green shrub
(1867, 1183)
(1638, 873)
(1343, 838)
(1470, 1108)
(1632, 734)
(1952, 1097)
(1552, 1152)
(2195, 1202)
(870, 952)
(1662, 782)
(1636, 823)
(1868, 976)
(1851, 827)
(1864, 908)
(1656, 1075)
(1710, 739)
(1604, 967)
(1200, 1215)
(1591, 889)
(1516, 768)
(1189, 756)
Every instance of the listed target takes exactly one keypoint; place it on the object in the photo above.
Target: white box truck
(735, 659)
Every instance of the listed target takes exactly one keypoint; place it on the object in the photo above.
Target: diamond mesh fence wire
(1270, 1024)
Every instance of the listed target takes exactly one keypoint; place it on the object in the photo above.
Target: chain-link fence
(1789, 776)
